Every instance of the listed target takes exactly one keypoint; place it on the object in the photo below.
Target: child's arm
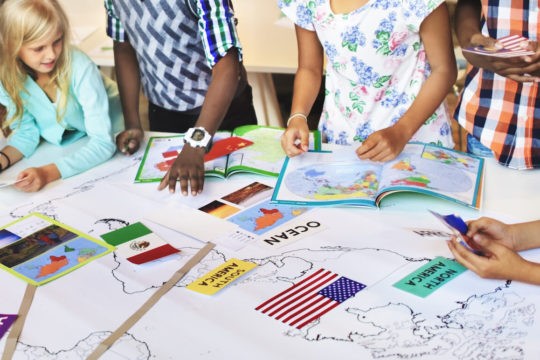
(10, 156)
(129, 85)
(500, 262)
(386, 144)
(307, 83)
(468, 31)
(499, 242)
(188, 168)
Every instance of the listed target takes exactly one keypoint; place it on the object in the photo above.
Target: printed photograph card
(39, 249)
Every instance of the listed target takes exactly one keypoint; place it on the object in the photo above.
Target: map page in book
(340, 178)
(258, 150)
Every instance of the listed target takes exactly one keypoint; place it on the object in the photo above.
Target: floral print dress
(376, 65)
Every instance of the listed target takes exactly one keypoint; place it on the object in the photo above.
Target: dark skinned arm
(188, 167)
(129, 85)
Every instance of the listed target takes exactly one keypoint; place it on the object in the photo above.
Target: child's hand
(383, 145)
(521, 68)
(129, 141)
(34, 179)
(295, 139)
(499, 262)
(533, 68)
(188, 168)
(486, 229)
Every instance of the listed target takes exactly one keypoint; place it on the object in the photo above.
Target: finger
(132, 145)
(184, 183)
(373, 154)
(462, 255)
(365, 148)
(164, 181)
(290, 142)
(383, 154)
(485, 41)
(523, 78)
(197, 182)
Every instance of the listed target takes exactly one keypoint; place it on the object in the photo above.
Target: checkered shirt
(504, 114)
(175, 50)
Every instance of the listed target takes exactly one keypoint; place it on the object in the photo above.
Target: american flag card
(311, 298)
(512, 46)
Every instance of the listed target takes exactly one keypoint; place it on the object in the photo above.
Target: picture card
(459, 228)
(223, 275)
(138, 244)
(39, 249)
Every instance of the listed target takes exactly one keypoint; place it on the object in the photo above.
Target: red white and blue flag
(311, 298)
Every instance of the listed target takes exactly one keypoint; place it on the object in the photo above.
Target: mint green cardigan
(88, 113)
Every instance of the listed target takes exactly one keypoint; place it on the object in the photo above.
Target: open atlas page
(339, 177)
(38, 249)
(249, 148)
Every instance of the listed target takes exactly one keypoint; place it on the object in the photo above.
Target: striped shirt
(176, 50)
(504, 114)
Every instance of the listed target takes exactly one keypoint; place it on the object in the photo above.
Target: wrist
(50, 173)
(5, 161)
(297, 115)
(528, 272)
(198, 137)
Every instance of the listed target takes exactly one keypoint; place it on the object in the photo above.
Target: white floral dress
(376, 65)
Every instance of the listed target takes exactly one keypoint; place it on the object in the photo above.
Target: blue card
(459, 229)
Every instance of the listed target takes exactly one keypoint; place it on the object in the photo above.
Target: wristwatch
(198, 137)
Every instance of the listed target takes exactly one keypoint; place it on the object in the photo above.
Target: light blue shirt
(86, 113)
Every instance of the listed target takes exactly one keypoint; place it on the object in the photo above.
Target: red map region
(268, 218)
(57, 262)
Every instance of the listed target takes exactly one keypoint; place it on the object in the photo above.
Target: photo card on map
(39, 249)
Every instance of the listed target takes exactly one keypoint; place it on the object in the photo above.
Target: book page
(435, 170)
(328, 178)
(162, 151)
(265, 156)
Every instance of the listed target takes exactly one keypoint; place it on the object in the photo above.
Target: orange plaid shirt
(504, 114)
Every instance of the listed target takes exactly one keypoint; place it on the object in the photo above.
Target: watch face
(198, 135)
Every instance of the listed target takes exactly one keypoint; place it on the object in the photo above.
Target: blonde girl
(51, 90)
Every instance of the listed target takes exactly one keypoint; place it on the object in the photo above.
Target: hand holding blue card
(459, 229)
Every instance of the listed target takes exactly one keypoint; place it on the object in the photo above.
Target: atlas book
(339, 177)
(249, 148)
(39, 249)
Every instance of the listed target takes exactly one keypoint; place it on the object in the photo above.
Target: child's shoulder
(79, 57)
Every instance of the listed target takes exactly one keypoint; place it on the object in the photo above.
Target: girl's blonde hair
(23, 22)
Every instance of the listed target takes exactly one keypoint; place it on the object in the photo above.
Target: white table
(466, 319)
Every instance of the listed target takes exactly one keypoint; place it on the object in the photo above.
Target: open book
(340, 178)
(263, 155)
